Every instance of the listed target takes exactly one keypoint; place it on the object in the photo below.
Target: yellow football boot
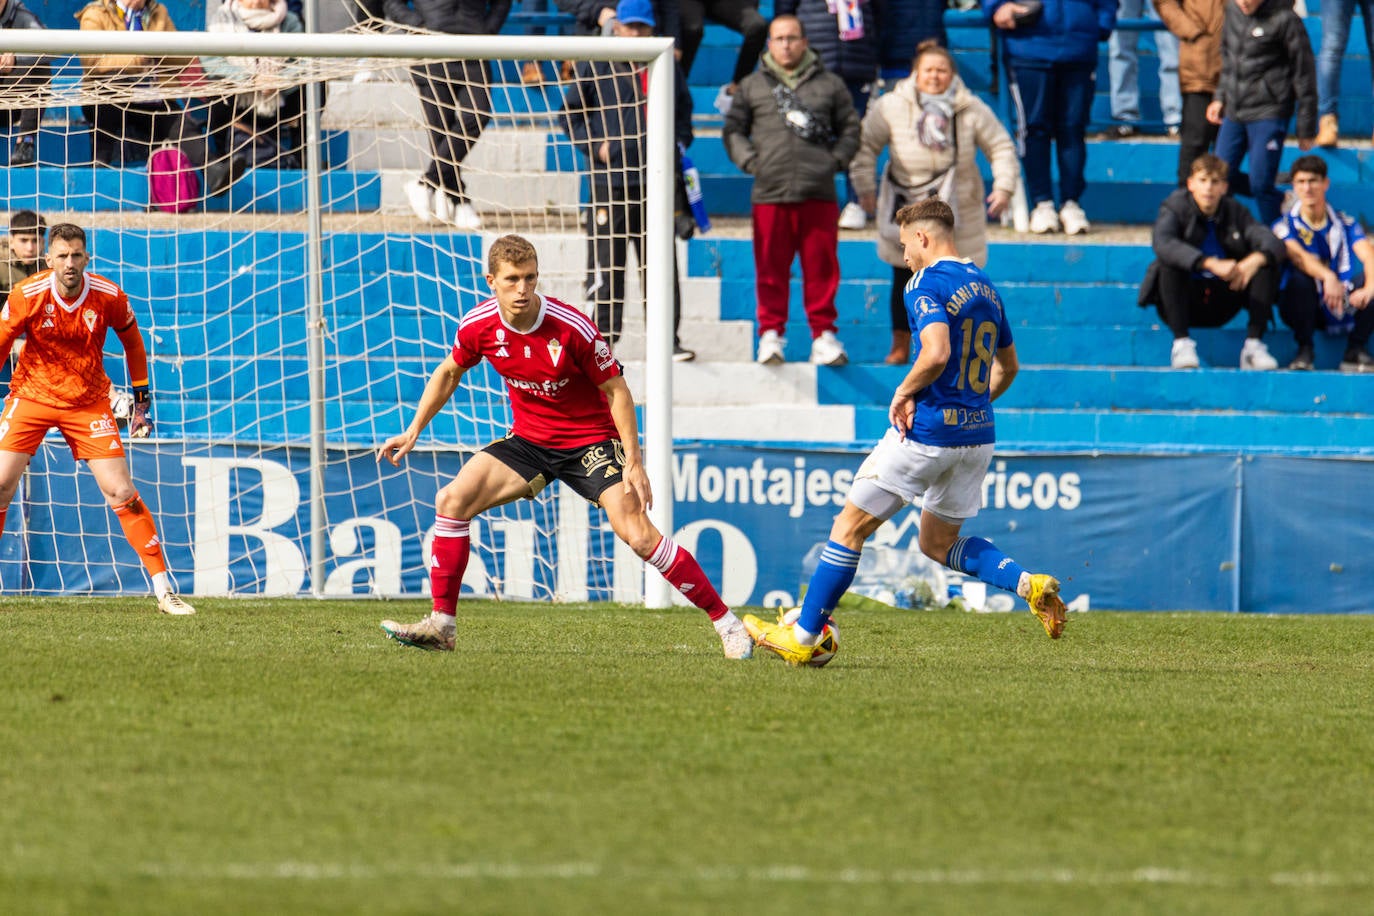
(1046, 604)
(779, 640)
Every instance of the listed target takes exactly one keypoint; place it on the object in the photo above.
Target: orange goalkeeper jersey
(63, 363)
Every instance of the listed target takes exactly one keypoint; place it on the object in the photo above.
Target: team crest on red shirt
(555, 351)
(603, 355)
(88, 316)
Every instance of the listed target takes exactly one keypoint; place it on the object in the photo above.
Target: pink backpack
(173, 184)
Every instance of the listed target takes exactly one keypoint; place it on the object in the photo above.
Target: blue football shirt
(956, 409)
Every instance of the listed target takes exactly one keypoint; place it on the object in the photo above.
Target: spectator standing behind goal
(1197, 26)
(938, 445)
(792, 126)
(1329, 280)
(574, 421)
(604, 115)
(1267, 72)
(60, 381)
(125, 132)
(1336, 18)
(1212, 259)
(26, 73)
(933, 127)
(1052, 65)
(455, 96)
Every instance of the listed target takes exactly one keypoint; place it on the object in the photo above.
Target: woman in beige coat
(914, 122)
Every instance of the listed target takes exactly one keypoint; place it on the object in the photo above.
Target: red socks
(448, 561)
(685, 574)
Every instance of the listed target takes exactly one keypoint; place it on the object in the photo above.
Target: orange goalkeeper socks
(141, 533)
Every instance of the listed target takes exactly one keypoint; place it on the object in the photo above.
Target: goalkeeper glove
(142, 423)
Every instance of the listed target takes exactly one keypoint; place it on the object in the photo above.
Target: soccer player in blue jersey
(1329, 279)
(940, 443)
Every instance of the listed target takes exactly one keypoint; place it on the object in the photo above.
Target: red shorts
(90, 431)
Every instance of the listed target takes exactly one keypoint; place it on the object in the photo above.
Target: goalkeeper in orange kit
(60, 381)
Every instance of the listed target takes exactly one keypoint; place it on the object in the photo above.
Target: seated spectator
(1336, 18)
(259, 127)
(127, 131)
(26, 72)
(1329, 280)
(933, 127)
(844, 35)
(1052, 66)
(1267, 72)
(1212, 259)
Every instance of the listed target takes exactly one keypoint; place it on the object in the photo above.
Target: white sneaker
(1255, 355)
(827, 350)
(443, 207)
(1184, 354)
(1075, 221)
(853, 217)
(421, 197)
(1043, 218)
(770, 348)
(172, 604)
(737, 642)
(465, 217)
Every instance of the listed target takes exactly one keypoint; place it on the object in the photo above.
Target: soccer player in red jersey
(64, 314)
(574, 422)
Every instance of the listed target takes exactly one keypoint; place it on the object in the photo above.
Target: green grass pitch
(284, 757)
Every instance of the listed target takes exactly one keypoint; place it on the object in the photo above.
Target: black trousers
(128, 132)
(1196, 135)
(1301, 309)
(737, 15)
(897, 298)
(456, 100)
(22, 121)
(615, 221)
(1187, 302)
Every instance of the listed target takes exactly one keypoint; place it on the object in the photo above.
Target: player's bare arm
(1005, 365)
(930, 362)
(622, 404)
(440, 387)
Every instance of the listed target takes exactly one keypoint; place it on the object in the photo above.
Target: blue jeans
(1053, 103)
(1336, 16)
(1263, 141)
(1123, 66)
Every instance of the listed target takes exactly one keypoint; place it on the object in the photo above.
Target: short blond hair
(510, 249)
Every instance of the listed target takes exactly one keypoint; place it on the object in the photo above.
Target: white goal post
(319, 58)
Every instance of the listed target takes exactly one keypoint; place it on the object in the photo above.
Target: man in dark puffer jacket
(1267, 71)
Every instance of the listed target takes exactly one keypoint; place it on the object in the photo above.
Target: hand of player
(141, 423)
(902, 412)
(637, 482)
(396, 448)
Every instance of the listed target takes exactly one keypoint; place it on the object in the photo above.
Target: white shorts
(949, 477)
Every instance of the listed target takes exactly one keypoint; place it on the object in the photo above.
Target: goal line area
(295, 303)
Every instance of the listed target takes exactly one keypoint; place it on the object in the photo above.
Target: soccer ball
(826, 646)
(121, 403)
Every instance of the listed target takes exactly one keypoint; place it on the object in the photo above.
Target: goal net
(298, 267)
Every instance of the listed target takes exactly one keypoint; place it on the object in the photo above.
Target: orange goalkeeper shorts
(90, 431)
